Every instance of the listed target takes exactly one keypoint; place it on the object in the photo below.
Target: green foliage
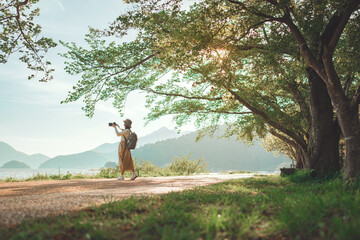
(184, 165)
(179, 166)
(42, 177)
(148, 169)
(301, 176)
(230, 61)
(58, 176)
(10, 179)
(269, 207)
(213, 80)
(19, 33)
(109, 172)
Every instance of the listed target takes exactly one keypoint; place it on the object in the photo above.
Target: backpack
(131, 142)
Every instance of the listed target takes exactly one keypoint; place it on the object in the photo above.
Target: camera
(112, 124)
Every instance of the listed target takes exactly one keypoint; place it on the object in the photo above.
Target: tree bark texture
(301, 157)
(347, 113)
(324, 132)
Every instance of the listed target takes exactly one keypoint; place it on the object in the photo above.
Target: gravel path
(22, 200)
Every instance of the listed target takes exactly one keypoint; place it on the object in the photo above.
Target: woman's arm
(117, 132)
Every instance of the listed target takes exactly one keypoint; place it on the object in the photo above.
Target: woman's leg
(121, 164)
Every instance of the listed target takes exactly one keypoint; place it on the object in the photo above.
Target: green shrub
(147, 168)
(39, 177)
(109, 172)
(183, 165)
(301, 176)
(10, 179)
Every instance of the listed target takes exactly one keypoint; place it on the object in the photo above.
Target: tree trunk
(349, 124)
(352, 158)
(301, 157)
(324, 132)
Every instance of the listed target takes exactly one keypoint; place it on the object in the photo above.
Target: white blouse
(123, 133)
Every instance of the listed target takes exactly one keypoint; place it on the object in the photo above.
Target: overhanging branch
(267, 119)
(181, 95)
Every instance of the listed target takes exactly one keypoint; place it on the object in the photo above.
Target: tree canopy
(240, 62)
(19, 33)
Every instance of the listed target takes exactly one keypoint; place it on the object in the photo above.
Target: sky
(32, 120)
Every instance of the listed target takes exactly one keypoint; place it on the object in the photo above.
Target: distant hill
(221, 154)
(99, 156)
(84, 160)
(8, 153)
(15, 164)
(158, 135)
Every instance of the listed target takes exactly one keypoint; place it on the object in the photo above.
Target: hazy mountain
(8, 153)
(84, 160)
(158, 135)
(221, 154)
(15, 164)
(106, 147)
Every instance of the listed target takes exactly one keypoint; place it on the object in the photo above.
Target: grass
(268, 207)
(56, 176)
(179, 166)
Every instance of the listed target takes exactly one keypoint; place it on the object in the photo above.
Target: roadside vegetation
(265, 207)
(179, 166)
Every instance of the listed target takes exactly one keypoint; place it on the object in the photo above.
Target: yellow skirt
(125, 159)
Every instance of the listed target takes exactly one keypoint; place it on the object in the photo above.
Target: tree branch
(253, 10)
(267, 119)
(181, 95)
(304, 48)
(356, 98)
(336, 25)
(216, 111)
(249, 47)
(347, 83)
(38, 58)
(300, 101)
(19, 6)
(283, 138)
(12, 16)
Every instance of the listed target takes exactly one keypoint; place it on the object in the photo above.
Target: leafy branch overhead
(204, 57)
(19, 34)
(247, 63)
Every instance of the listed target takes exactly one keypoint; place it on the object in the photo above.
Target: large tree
(19, 33)
(236, 61)
(335, 21)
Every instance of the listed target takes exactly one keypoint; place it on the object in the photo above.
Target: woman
(125, 159)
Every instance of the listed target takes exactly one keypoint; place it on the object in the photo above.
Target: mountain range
(87, 160)
(158, 135)
(161, 146)
(8, 153)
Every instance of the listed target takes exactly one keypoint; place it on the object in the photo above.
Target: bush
(109, 172)
(183, 165)
(146, 168)
(301, 176)
(179, 166)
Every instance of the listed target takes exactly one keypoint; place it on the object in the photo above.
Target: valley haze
(160, 147)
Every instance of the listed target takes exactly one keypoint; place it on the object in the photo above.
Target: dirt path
(22, 200)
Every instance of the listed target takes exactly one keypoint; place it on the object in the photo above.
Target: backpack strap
(126, 142)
